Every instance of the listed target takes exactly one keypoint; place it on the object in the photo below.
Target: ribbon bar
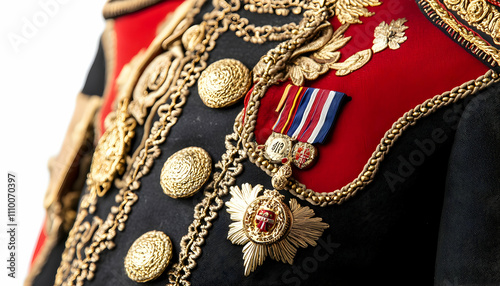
(308, 113)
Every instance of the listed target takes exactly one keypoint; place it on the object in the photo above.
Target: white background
(40, 75)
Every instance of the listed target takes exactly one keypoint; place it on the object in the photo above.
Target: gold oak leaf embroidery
(349, 11)
(389, 35)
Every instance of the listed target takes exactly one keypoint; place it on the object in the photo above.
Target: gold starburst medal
(265, 225)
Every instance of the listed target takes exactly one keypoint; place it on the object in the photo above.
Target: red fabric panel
(133, 33)
(393, 82)
(41, 241)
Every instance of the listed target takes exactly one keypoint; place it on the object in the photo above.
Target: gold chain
(258, 35)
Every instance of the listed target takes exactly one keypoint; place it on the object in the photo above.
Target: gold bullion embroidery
(155, 81)
(479, 14)
(282, 7)
(148, 256)
(391, 35)
(442, 17)
(185, 172)
(193, 36)
(223, 83)
(264, 225)
(109, 156)
(322, 54)
(280, 178)
(85, 242)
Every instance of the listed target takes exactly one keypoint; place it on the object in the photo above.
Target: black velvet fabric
(469, 241)
(388, 234)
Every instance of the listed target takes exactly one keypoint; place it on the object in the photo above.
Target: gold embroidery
(389, 35)
(193, 36)
(464, 32)
(349, 11)
(265, 226)
(108, 159)
(320, 55)
(91, 240)
(280, 7)
(148, 256)
(155, 81)
(478, 13)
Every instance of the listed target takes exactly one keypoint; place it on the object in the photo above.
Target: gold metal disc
(304, 155)
(148, 256)
(223, 83)
(267, 219)
(278, 147)
(185, 172)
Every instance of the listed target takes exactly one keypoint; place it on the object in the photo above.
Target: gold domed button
(148, 256)
(223, 83)
(185, 172)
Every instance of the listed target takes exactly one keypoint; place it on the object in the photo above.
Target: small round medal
(185, 172)
(304, 155)
(223, 83)
(267, 219)
(278, 147)
(148, 256)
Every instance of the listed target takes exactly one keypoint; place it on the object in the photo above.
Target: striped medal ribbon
(306, 116)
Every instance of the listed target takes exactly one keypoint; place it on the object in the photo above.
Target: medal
(266, 226)
(308, 114)
(306, 117)
(304, 155)
(278, 147)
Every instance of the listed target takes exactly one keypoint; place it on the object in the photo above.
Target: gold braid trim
(116, 8)
(476, 44)
(368, 173)
(478, 13)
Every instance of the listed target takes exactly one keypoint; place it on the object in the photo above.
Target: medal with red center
(266, 226)
(304, 155)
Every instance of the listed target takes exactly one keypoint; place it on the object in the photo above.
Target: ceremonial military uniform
(282, 143)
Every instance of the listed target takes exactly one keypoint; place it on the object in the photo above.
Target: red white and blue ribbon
(308, 114)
